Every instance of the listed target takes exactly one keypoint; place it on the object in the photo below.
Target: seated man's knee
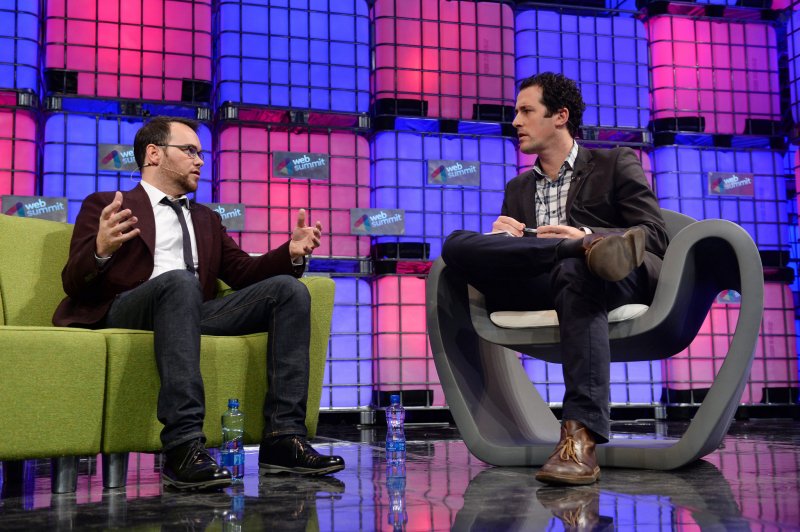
(293, 291)
(180, 283)
(455, 249)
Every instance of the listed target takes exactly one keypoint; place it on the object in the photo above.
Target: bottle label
(229, 459)
(395, 445)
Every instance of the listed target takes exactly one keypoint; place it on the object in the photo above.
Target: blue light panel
(19, 44)
(70, 161)
(607, 56)
(300, 54)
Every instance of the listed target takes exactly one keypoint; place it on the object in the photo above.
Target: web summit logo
(227, 214)
(465, 173)
(35, 209)
(731, 184)
(290, 166)
(444, 173)
(377, 221)
(118, 157)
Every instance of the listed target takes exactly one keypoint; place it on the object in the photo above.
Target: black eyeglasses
(188, 149)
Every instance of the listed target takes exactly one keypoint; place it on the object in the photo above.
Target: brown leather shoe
(612, 256)
(574, 461)
(577, 508)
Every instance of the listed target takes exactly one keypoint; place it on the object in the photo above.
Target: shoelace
(196, 451)
(568, 451)
(572, 518)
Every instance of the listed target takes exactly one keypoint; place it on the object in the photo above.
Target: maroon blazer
(91, 290)
(608, 192)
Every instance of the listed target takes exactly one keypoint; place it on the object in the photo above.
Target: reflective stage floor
(750, 483)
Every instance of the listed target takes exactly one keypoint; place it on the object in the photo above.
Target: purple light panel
(305, 55)
(18, 128)
(681, 178)
(141, 49)
(399, 170)
(631, 382)
(71, 160)
(775, 360)
(245, 175)
(403, 358)
(19, 44)
(451, 54)
(724, 71)
(607, 56)
(348, 367)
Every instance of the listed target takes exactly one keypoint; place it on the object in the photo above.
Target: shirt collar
(155, 196)
(569, 162)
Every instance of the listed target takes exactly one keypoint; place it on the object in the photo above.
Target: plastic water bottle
(233, 518)
(395, 438)
(398, 515)
(232, 452)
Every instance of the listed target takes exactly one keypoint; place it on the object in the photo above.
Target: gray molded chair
(502, 417)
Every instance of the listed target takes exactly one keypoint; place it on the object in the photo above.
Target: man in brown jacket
(149, 259)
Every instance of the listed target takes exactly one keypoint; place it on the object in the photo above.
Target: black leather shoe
(293, 454)
(189, 467)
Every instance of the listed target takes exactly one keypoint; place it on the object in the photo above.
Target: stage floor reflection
(752, 482)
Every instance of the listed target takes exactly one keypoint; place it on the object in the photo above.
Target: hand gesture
(304, 239)
(116, 227)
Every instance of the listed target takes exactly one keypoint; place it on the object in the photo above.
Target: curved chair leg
(64, 474)
(115, 470)
(493, 402)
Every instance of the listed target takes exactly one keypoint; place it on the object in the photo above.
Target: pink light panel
(402, 353)
(453, 54)
(132, 49)
(775, 361)
(723, 70)
(17, 151)
(245, 160)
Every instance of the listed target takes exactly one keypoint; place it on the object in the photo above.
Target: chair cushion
(510, 319)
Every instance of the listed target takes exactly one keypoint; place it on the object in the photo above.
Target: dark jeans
(171, 305)
(525, 274)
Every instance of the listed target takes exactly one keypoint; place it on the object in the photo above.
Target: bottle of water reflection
(232, 452)
(398, 516)
(395, 438)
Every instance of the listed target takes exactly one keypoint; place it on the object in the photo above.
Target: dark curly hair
(558, 91)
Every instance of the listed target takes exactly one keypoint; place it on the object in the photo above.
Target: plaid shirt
(551, 196)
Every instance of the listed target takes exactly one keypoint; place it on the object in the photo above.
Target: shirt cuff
(101, 261)
(586, 230)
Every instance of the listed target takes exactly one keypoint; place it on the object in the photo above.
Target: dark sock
(570, 248)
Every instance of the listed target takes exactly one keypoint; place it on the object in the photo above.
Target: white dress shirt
(169, 237)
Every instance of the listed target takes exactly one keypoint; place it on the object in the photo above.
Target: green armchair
(81, 392)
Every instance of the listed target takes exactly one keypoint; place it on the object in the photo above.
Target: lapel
(583, 169)
(138, 202)
(202, 237)
(529, 199)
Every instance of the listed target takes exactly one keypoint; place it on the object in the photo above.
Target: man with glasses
(149, 259)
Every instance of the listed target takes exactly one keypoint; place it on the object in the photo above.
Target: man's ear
(562, 116)
(152, 155)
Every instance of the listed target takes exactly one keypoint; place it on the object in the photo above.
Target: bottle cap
(394, 399)
(233, 403)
